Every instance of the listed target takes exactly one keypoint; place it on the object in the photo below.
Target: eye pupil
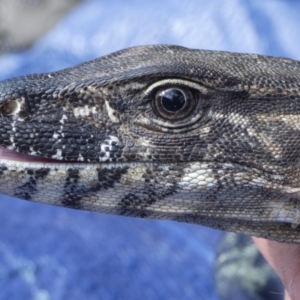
(172, 100)
(174, 103)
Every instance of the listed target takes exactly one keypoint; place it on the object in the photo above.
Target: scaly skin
(105, 141)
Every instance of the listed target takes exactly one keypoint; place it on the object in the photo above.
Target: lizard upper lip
(7, 154)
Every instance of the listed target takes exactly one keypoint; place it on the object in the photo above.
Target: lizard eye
(174, 103)
(171, 100)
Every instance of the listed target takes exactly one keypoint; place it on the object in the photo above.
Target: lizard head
(222, 127)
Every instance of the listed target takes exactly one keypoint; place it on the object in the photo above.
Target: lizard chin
(6, 154)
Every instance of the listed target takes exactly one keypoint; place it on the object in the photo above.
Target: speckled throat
(164, 132)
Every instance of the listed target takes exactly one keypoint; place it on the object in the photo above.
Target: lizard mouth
(6, 154)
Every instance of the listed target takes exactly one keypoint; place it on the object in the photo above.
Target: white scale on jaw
(11, 138)
(58, 154)
(84, 111)
(107, 147)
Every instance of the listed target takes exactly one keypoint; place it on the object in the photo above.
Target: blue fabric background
(55, 253)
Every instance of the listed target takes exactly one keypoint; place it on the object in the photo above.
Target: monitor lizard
(161, 132)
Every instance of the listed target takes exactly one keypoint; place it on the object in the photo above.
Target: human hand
(285, 260)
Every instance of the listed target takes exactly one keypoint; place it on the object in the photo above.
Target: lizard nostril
(10, 107)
